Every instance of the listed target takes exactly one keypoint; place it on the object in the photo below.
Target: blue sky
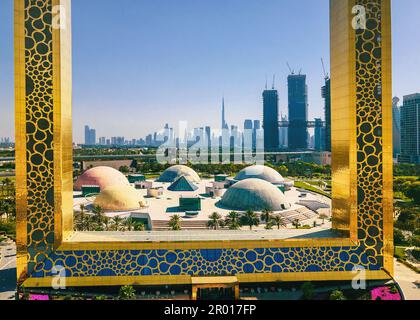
(141, 63)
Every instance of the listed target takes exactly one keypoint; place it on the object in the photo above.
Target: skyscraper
(326, 94)
(255, 134)
(319, 139)
(224, 123)
(271, 119)
(410, 130)
(208, 136)
(396, 126)
(248, 125)
(298, 112)
(90, 136)
(283, 133)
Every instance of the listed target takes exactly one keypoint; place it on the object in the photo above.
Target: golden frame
(362, 204)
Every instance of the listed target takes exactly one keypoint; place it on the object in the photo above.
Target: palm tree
(175, 223)
(215, 221)
(250, 219)
(266, 215)
(269, 226)
(100, 218)
(98, 214)
(79, 219)
(278, 221)
(129, 224)
(139, 226)
(118, 222)
(296, 223)
(232, 221)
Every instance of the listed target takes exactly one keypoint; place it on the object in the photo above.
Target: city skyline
(203, 65)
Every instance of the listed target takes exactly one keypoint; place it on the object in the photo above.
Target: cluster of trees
(105, 151)
(235, 221)
(294, 169)
(407, 209)
(404, 170)
(8, 207)
(96, 220)
(8, 166)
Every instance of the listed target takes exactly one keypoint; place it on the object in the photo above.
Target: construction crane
(291, 71)
(326, 75)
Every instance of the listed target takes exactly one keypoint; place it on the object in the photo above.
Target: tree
(129, 224)
(399, 238)
(323, 217)
(415, 241)
(337, 295)
(118, 223)
(175, 223)
(278, 221)
(308, 290)
(408, 219)
(250, 219)
(215, 221)
(124, 169)
(139, 226)
(296, 223)
(232, 221)
(127, 293)
(98, 213)
(413, 192)
(266, 215)
(100, 218)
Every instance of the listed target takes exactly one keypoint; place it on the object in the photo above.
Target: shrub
(127, 293)
(337, 295)
(308, 290)
(399, 238)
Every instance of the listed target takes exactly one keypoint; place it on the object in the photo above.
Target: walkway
(407, 280)
(7, 271)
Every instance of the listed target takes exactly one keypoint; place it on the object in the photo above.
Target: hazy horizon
(147, 63)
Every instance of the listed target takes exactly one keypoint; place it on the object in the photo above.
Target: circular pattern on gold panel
(39, 128)
(199, 262)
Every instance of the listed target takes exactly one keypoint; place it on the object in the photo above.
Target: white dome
(175, 172)
(260, 172)
(254, 194)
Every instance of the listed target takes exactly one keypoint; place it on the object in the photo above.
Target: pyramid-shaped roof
(182, 184)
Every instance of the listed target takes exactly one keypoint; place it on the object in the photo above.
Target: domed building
(103, 177)
(254, 194)
(175, 172)
(260, 172)
(120, 198)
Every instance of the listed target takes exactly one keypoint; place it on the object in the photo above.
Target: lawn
(306, 186)
(400, 253)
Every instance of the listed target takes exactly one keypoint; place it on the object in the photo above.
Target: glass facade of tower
(271, 120)
(326, 94)
(410, 129)
(298, 112)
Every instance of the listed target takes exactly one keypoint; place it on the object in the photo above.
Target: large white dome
(254, 194)
(175, 172)
(260, 172)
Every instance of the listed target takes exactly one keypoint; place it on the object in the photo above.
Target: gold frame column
(43, 130)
